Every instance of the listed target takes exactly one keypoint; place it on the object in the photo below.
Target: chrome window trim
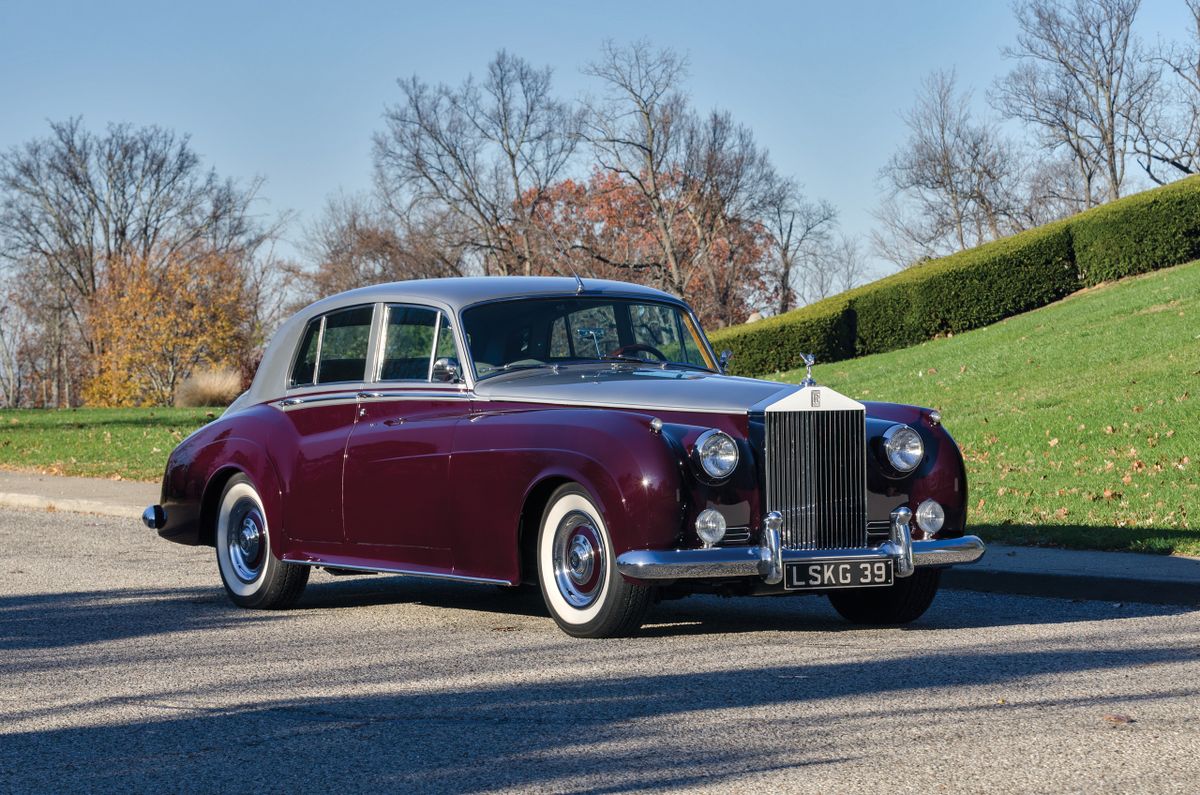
(381, 341)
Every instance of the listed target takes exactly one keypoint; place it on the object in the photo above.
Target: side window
(343, 347)
(304, 369)
(408, 340)
(446, 348)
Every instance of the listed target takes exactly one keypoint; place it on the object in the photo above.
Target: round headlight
(930, 516)
(717, 454)
(904, 447)
(710, 526)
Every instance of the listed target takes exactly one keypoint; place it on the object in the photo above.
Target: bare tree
(75, 202)
(484, 152)
(356, 243)
(729, 181)
(1078, 81)
(953, 183)
(800, 229)
(638, 133)
(1167, 142)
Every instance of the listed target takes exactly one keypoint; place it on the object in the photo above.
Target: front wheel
(252, 575)
(577, 571)
(904, 601)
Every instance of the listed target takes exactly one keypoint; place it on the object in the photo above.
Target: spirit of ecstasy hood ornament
(809, 360)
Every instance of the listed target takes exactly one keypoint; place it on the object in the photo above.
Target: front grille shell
(815, 467)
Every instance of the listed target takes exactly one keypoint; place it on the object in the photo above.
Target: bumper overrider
(768, 559)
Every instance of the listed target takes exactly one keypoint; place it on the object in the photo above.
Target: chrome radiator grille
(816, 476)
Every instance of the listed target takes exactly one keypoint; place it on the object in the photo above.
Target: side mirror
(723, 360)
(447, 371)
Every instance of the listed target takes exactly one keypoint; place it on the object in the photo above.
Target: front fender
(501, 457)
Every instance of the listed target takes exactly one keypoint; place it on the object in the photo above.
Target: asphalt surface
(123, 667)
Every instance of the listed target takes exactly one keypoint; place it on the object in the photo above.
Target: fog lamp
(930, 516)
(710, 526)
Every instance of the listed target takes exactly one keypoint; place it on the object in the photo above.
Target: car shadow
(703, 614)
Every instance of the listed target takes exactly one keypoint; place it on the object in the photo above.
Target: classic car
(575, 434)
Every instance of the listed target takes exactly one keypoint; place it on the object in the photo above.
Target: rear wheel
(577, 571)
(253, 576)
(904, 601)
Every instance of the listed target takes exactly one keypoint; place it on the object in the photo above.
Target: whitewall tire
(577, 570)
(253, 576)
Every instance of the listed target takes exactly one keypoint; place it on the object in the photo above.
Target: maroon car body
(360, 457)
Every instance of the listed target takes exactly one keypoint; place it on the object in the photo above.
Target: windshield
(532, 332)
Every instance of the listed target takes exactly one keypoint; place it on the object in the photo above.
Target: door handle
(369, 395)
(392, 423)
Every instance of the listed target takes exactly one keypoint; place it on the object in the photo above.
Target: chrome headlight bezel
(899, 442)
(716, 454)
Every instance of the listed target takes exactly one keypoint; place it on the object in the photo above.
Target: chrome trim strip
(433, 575)
(328, 399)
(602, 405)
(682, 564)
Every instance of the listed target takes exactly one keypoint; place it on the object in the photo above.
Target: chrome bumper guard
(767, 560)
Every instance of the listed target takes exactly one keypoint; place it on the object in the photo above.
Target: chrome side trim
(327, 399)
(602, 405)
(718, 562)
(433, 575)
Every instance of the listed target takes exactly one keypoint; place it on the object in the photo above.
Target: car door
(396, 499)
(326, 376)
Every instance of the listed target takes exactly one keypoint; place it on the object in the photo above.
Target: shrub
(966, 290)
(209, 388)
(1155, 229)
(1144, 232)
(824, 329)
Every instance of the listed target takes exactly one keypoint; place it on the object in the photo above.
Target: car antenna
(578, 282)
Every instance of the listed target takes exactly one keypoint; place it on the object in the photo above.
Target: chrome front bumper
(767, 560)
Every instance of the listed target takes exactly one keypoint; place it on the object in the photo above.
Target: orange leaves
(153, 325)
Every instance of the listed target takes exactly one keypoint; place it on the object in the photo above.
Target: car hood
(624, 386)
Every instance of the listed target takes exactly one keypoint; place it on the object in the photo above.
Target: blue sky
(293, 91)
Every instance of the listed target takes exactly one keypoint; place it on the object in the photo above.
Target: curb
(39, 503)
(1065, 586)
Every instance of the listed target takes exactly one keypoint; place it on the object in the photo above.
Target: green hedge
(824, 329)
(974, 288)
(1140, 233)
(966, 290)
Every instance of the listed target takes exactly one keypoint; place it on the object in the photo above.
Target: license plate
(843, 574)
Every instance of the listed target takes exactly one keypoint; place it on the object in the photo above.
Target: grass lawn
(1079, 422)
(128, 443)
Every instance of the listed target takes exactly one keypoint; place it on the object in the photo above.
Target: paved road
(124, 667)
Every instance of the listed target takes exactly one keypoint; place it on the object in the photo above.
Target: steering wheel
(639, 347)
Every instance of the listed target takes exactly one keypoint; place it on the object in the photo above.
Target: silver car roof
(452, 295)
(458, 293)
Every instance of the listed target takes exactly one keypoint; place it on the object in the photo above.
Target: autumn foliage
(152, 326)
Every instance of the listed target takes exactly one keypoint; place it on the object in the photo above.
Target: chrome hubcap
(579, 568)
(247, 538)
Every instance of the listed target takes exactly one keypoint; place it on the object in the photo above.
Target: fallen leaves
(1117, 719)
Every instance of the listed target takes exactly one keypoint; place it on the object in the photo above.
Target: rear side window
(334, 348)
(344, 346)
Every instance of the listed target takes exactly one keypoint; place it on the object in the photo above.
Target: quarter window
(304, 370)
